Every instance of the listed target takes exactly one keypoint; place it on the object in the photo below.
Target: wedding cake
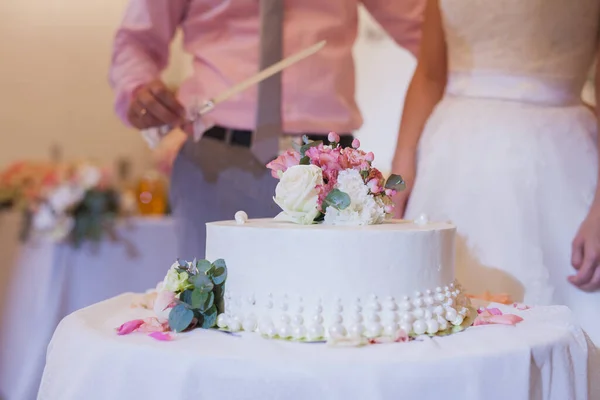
(333, 263)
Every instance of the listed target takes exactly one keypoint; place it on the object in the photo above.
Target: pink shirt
(223, 37)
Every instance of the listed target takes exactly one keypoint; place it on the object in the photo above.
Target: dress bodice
(529, 50)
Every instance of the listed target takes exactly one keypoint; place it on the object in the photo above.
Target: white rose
(89, 176)
(64, 197)
(297, 195)
(364, 209)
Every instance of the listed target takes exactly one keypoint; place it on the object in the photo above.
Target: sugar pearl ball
(451, 314)
(432, 326)
(285, 331)
(419, 327)
(458, 320)
(297, 320)
(222, 321)
(315, 332)
(373, 329)
(337, 331)
(299, 332)
(241, 217)
(356, 330)
(390, 329)
(249, 324)
(439, 310)
(235, 326)
(442, 324)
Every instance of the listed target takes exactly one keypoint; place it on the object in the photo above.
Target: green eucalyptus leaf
(182, 263)
(186, 296)
(305, 161)
(208, 303)
(220, 304)
(180, 318)
(210, 318)
(198, 298)
(204, 266)
(308, 146)
(219, 272)
(395, 182)
(364, 174)
(337, 199)
(202, 282)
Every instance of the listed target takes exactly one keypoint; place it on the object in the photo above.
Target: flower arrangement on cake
(60, 201)
(333, 185)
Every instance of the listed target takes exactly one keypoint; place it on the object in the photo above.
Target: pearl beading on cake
(293, 318)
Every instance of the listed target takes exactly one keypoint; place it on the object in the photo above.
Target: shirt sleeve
(141, 46)
(402, 19)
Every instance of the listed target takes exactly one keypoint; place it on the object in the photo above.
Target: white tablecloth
(44, 282)
(545, 357)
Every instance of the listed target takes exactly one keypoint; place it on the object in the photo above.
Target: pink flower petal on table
(129, 326)
(521, 307)
(506, 319)
(494, 311)
(152, 324)
(163, 337)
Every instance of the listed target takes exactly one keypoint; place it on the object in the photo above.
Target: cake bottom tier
(314, 317)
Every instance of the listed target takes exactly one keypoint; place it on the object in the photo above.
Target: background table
(41, 282)
(546, 357)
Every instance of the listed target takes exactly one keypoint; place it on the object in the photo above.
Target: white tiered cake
(316, 281)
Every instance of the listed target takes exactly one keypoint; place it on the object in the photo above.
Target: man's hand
(155, 105)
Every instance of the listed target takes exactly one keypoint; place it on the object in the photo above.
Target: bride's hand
(407, 172)
(586, 254)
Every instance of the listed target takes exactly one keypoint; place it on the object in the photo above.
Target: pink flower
(389, 209)
(354, 159)
(374, 187)
(390, 192)
(356, 143)
(489, 316)
(283, 162)
(370, 156)
(129, 326)
(333, 137)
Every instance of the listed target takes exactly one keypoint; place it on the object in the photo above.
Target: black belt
(243, 138)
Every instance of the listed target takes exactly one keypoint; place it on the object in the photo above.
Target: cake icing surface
(315, 281)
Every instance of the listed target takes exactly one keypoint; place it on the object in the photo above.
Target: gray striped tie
(265, 143)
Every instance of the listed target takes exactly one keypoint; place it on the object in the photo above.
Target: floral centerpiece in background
(63, 201)
(335, 185)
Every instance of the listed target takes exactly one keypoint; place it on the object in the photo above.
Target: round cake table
(544, 357)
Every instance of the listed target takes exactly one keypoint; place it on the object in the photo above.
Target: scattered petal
(163, 337)
(153, 324)
(521, 307)
(129, 326)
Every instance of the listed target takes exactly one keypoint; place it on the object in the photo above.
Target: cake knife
(153, 135)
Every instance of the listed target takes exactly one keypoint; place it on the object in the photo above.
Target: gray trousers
(212, 180)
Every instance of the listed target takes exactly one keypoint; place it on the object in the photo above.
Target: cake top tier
(389, 225)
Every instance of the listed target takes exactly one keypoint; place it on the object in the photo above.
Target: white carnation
(364, 209)
(297, 195)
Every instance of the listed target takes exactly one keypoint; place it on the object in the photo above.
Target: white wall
(54, 57)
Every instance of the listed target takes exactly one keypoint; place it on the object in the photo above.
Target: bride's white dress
(509, 155)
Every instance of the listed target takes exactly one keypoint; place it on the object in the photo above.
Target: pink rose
(283, 162)
(356, 143)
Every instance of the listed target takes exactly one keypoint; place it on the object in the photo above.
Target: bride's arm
(586, 245)
(424, 92)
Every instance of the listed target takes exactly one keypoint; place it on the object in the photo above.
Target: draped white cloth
(41, 282)
(546, 357)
